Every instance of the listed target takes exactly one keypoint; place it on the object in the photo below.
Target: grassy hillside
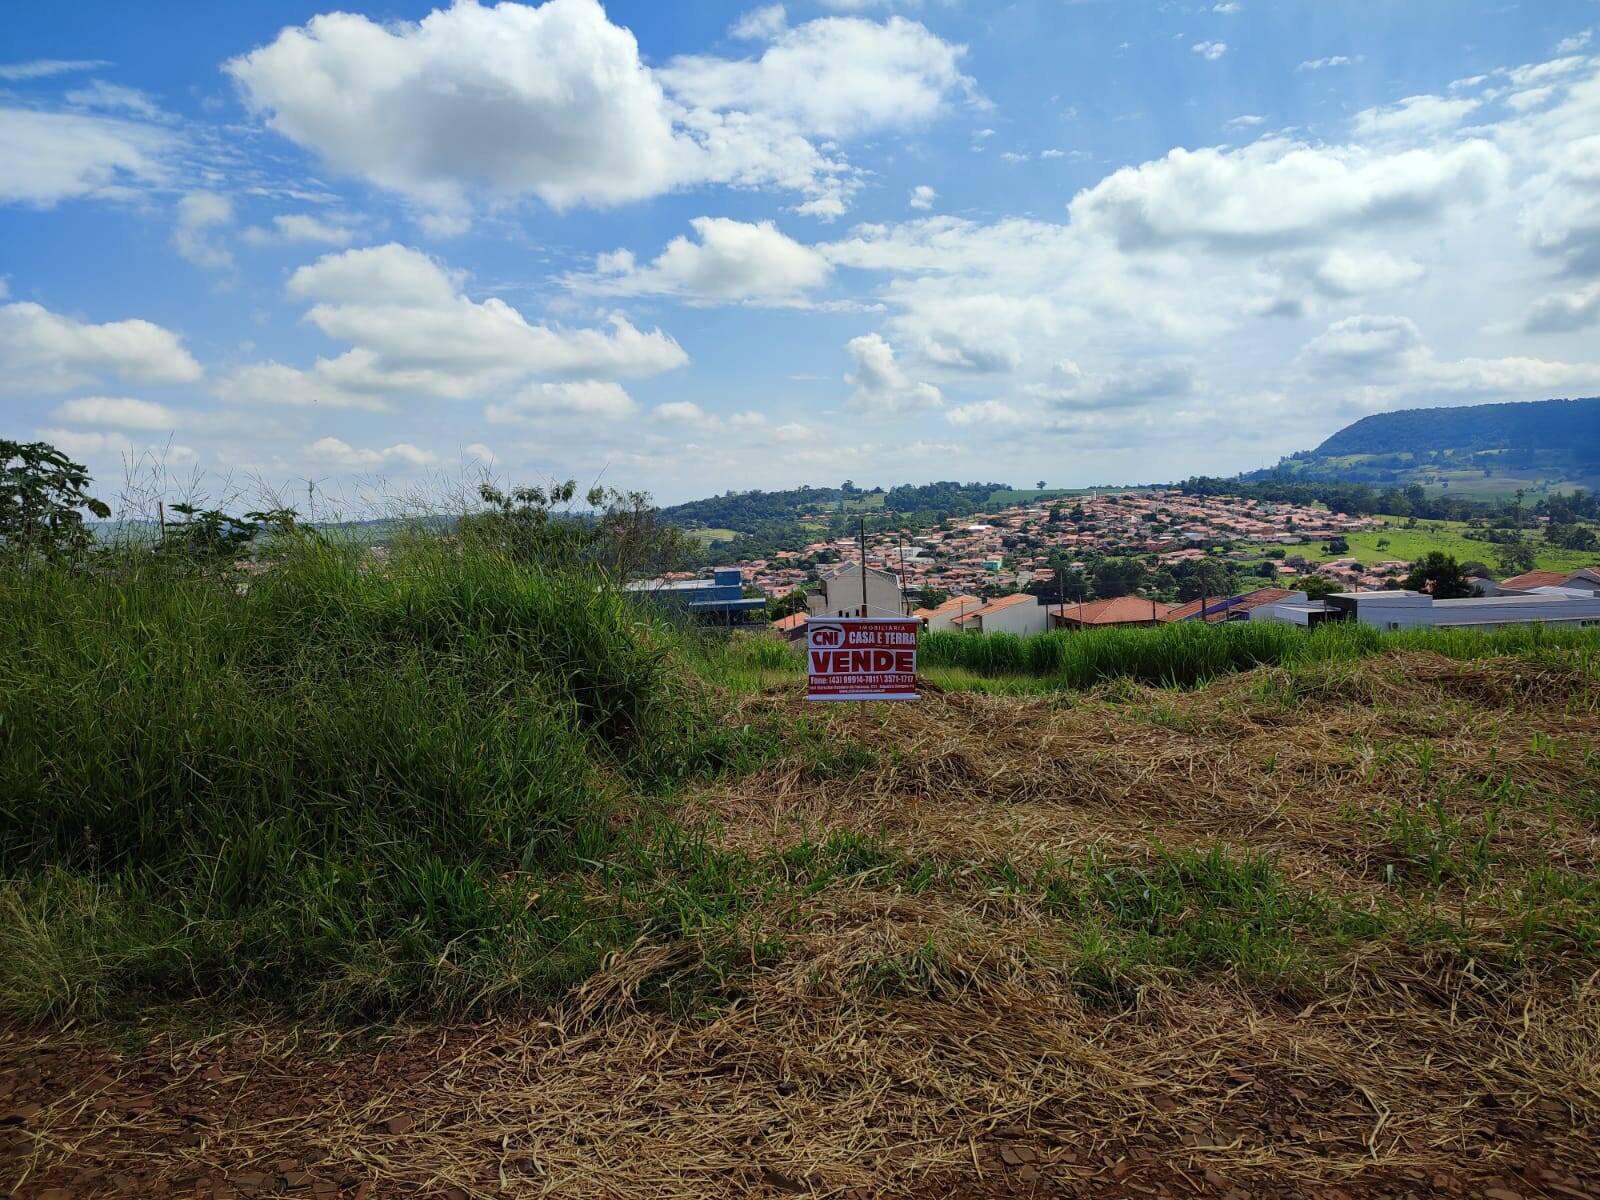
(633, 919)
(1445, 536)
(708, 537)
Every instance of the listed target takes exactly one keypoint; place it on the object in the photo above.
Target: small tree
(209, 535)
(1317, 587)
(1338, 545)
(787, 606)
(1207, 577)
(623, 535)
(41, 493)
(1441, 577)
(1515, 555)
(1571, 537)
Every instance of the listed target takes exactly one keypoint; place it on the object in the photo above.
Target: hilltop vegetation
(1485, 450)
(758, 522)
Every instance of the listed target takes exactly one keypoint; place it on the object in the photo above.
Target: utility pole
(864, 567)
(905, 603)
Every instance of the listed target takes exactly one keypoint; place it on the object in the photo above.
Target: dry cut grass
(1320, 932)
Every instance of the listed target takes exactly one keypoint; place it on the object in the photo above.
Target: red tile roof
(997, 605)
(954, 604)
(1533, 579)
(1120, 610)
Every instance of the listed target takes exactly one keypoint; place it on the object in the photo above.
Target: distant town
(1023, 546)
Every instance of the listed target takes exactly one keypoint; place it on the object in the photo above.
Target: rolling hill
(1486, 450)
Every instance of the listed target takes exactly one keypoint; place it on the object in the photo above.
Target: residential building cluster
(1009, 548)
(981, 561)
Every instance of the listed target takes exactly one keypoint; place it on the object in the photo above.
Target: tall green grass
(362, 788)
(430, 784)
(1187, 654)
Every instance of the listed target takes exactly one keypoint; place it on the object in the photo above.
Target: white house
(1021, 614)
(838, 593)
(947, 614)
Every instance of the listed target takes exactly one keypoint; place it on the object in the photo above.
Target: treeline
(945, 497)
(744, 511)
(1353, 499)
(1106, 576)
(1360, 500)
(750, 512)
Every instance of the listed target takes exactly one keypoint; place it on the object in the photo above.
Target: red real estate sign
(861, 658)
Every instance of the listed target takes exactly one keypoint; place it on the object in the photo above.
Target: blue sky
(693, 247)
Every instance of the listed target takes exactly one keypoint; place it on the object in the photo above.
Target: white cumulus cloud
(1414, 115)
(46, 352)
(48, 157)
(1279, 191)
(881, 385)
(476, 103)
(760, 24)
(732, 261)
(1563, 312)
(413, 333)
(197, 237)
(579, 397)
(118, 411)
(339, 453)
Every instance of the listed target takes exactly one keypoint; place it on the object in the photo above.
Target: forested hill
(1484, 450)
(743, 512)
(1567, 425)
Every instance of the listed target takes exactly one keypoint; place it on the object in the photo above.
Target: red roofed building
(1020, 614)
(946, 614)
(792, 627)
(1585, 578)
(1120, 610)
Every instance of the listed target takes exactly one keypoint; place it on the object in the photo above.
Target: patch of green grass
(1409, 545)
(925, 972)
(1430, 841)
(346, 788)
(707, 537)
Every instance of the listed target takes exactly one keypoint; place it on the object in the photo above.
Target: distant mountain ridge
(1529, 425)
(1482, 449)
